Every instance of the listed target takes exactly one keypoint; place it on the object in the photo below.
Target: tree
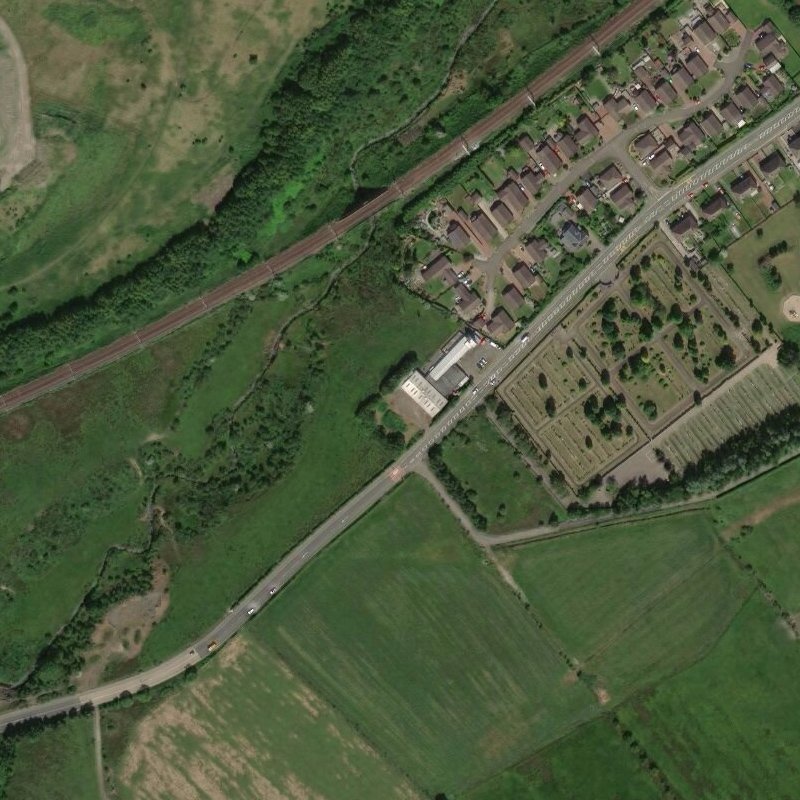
(726, 358)
(550, 406)
(789, 354)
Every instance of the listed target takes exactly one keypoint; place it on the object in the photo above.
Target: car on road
(475, 391)
(273, 590)
(251, 611)
(495, 345)
(213, 645)
(526, 337)
(483, 362)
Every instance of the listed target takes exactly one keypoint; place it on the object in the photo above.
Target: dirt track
(427, 169)
(18, 146)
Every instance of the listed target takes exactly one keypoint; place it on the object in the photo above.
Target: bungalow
(532, 180)
(716, 203)
(644, 99)
(645, 144)
(500, 323)
(502, 213)
(483, 226)
(744, 184)
(609, 177)
(537, 249)
(772, 87)
(641, 73)
(660, 158)
(464, 298)
(682, 79)
(719, 20)
(684, 223)
(585, 129)
(623, 197)
(524, 275)
(772, 162)
(527, 144)
(587, 198)
(691, 134)
(512, 297)
(731, 114)
(766, 42)
(696, 66)
(710, 123)
(567, 146)
(457, 236)
(512, 195)
(617, 107)
(665, 91)
(548, 159)
(573, 236)
(745, 97)
(435, 268)
(704, 32)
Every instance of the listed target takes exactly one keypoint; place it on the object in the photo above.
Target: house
(766, 42)
(532, 180)
(457, 236)
(567, 146)
(641, 73)
(691, 135)
(617, 107)
(772, 87)
(609, 177)
(704, 32)
(573, 236)
(710, 123)
(745, 97)
(527, 144)
(524, 275)
(644, 99)
(587, 198)
(482, 225)
(744, 184)
(512, 297)
(794, 141)
(731, 114)
(438, 268)
(502, 213)
(645, 144)
(665, 91)
(719, 21)
(695, 65)
(623, 197)
(512, 195)
(548, 159)
(772, 162)
(500, 323)
(716, 203)
(661, 158)
(682, 79)
(684, 223)
(465, 298)
(537, 249)
(771, 64)
(585, 129)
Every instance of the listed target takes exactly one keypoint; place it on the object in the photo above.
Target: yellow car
(213, 645)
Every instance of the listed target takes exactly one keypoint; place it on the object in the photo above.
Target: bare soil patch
(791, 308)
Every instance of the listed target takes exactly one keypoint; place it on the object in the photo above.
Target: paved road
(659, 207)
(456, 150)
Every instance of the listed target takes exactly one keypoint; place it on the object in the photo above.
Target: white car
(273, 590)
(251, 611)
(525, 338)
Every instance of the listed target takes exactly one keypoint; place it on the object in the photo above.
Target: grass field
(631, 602)
(141, 122)
(505, 491)
(753, 12)
(247, 727)
(592, 762)
(403, 628)
(57, 764)
(728, 726)
(744, 255)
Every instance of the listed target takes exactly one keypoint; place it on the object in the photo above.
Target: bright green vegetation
(728, 726)
(249, 709)
(495, 477)
(141, 126)
(57, 763)
(592, 762)
(402, 627)
(754, 279)
(632, 602)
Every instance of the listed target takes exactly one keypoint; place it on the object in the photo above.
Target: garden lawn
(505, 491)
(404, 628)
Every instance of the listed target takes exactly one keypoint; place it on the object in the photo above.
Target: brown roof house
(719, 20)
(716, 203)
(512, 297)
(483, 226)
(623, 197)
(794, 141)
(548, 159)
(684, 223)
(524, 275)
(745, 184)
(710, 123)
(665, 91)
(644, 100)
(696, 66)
(500, 323)
(745, 97)
(567, 146)
(457, 236)
(512, 195)
(609, 177)
(690, 134)
(532, 180)
(537, 249)
(660, 158)
(439, 267)
(617, 106)
(502, 213)
(587, 198)
(774, 161)
(681, 79)
(466, 300)
(704, 32)
(645, 144)
(527, 144)
(585, 129)
(772, 87)
(731, 114)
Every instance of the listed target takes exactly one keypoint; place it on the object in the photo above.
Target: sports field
(247, 728)
(504, 489)
(403, 628)
(632, 602)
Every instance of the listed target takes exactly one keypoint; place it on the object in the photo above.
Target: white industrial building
(460, 348)
(424, 393)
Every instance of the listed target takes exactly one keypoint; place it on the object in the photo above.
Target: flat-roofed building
(460, 347)
(424, 393)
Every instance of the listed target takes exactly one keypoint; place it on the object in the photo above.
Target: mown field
(247, 727)
(403, 628)
(503, 488)
(143, 115)
(82, 463)
(57, 763)
(632, 602)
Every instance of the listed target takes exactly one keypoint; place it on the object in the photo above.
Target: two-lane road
(656, 209)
